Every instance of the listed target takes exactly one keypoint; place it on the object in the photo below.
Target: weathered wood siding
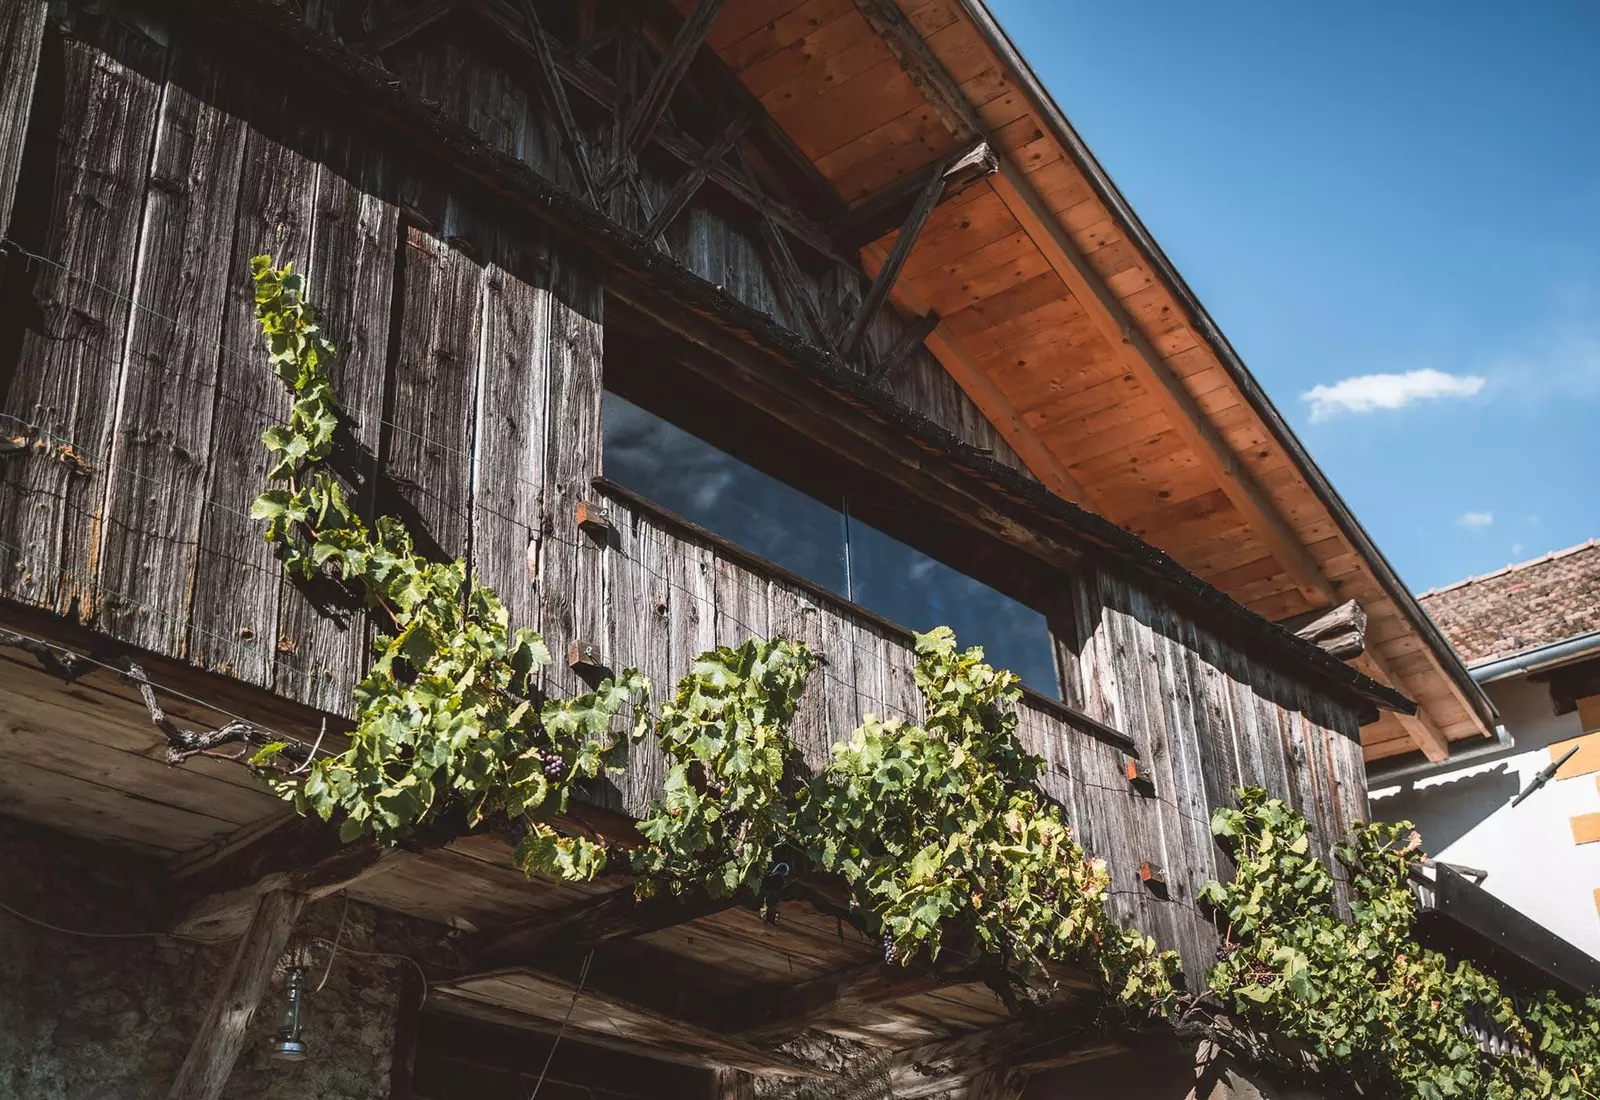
(471, 366)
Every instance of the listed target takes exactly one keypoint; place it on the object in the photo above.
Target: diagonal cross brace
(641, 123)
(878, 293)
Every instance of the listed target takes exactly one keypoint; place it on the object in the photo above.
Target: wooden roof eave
(709, 315)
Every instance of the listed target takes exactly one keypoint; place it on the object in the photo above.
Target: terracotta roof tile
(1521, 607)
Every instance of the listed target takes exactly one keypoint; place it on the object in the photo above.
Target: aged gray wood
(796, 614)
(1342, 630)
(155, 496)
(61, 399)
(642, 638)
(512, 440)
(692, 180)
(669, 74)
(220, 1038)
(432, 392)
(21, 32)
(571, 564)
(742, 611)
(355, 239)
(233, 614)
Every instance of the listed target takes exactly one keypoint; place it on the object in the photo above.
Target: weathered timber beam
(221, 1035)
(912, 337)
(610, 917)
(770, 1016)
(691, 182)
(403, 27)
(1341, 631)
(889, 273)
(572, 139)
(215, 895)
(594, 84)
(876, 216)
(641, 123)
(1427, 736)
(607, 1019)
(925, 71)
(1188, 419)
(991, 401)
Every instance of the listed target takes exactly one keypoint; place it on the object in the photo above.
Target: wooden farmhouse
(680, 324)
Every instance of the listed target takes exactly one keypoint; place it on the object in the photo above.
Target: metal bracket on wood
(1152, 875)
(878, 293)
(1139, 779)
(585, 657)
(594, 520)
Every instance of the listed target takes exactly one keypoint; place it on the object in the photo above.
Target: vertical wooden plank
(691, 604)
(796, 614)
(641, 638)
(233, 615)
(21, 33)
(901, 697)
(321, 638)
(571, 569)
(62, 391)
(742, 608)
(163, 437)
(871, 678)
(508, 477)
(838, 672)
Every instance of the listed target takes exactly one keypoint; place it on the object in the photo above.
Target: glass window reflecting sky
(710, 487)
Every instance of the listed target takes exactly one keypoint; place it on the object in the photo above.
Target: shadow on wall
(1444, 812)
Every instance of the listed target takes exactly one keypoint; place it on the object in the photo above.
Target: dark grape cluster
(891, 951)
(511, 830)
(555, 768)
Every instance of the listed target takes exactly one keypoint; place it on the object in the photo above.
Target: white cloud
(1368, 392)
(1477, 519)
(1516, 549)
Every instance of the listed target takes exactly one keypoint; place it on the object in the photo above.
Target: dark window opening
(694, 449)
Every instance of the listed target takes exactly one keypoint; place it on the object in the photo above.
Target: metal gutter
(1349, 526)
(1534, 660)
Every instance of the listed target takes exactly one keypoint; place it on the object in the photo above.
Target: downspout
(1063, 131)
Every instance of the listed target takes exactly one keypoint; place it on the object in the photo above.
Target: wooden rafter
(922, 67)
(641, 123)
(692, 180)
(1188, 419)
(912, 337)
(932, 188)
(215, 894)
(1419, 727)
(880, 213)
(551, 76)
(977, 384)
(403, 27)
(610, 917)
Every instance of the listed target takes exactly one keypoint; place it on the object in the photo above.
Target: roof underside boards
(1078, 335)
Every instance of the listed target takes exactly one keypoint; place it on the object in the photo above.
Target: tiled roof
(1520, 607)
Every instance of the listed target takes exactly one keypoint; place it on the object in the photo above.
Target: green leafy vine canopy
(938, 830)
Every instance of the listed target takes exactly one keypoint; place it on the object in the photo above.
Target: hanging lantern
(287, 1043)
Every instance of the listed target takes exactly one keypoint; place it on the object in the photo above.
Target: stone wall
(111, 1019)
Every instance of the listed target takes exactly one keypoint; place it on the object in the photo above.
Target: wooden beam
(733, 1084)
(1188, 419)
(607, 1019)
(641, 123)
(216, 894)
(407, 25)
(977, 384)
(1012, 1048)
(877, 215)
(932, 188)
(768, 1016)
(221, 1035)
(21, 34)
(1419, 727)
(614, 916)
(1341, 631)
(925, 71)
(912, 337)
(572, 138)
(692, 180)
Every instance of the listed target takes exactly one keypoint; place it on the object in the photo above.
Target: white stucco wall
(1464, 814)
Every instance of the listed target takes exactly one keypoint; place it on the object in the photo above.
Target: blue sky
(1397, 189)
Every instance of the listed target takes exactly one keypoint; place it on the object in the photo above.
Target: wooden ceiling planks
(1149, 438)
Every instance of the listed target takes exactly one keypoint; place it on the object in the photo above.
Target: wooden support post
(641, 123)
(733, 1084)
(692, 180)
(216, 1045)
(885, 211)
(884, 281)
